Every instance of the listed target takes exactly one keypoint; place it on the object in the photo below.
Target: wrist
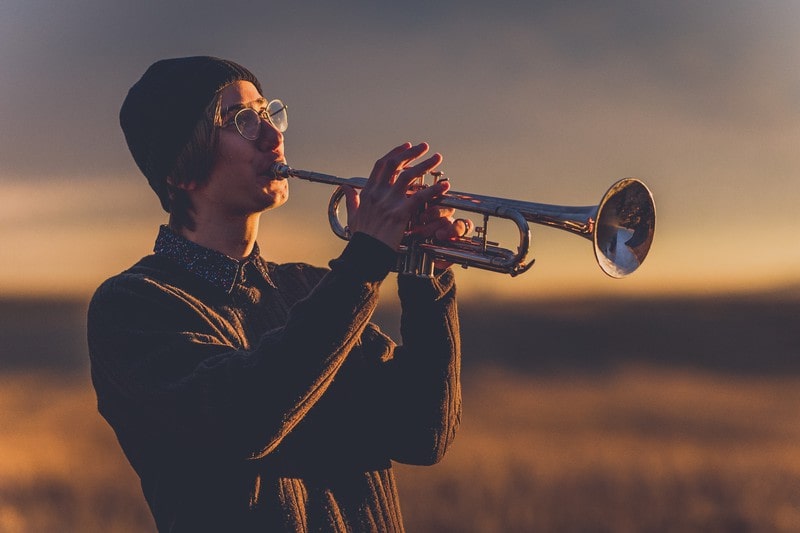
(365, 257)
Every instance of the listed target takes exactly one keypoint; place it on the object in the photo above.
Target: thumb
(352, 199)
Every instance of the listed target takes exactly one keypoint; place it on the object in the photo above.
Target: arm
(421, 383)
(163, 365)
(425, 382)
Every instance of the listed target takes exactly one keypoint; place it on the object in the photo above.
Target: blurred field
(634, 451)
(581, 416)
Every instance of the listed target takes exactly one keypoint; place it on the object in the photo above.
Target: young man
(252, 396)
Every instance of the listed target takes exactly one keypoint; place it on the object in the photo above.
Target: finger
(441, 229)
(381, 171)
(352, 199)
(428, 194)
(463, 226)
(447, 231)
(434, 211)
(454, 229)
(409, 174)
(389, 166)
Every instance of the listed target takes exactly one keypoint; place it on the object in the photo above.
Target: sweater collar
(214, 267)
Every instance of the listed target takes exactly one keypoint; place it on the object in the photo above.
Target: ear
(190, 186)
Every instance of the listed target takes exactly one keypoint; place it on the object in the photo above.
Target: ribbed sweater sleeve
(425, 371)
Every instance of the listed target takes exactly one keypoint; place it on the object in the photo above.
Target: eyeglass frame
(262, 114)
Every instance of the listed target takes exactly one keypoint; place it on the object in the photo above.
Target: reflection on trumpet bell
(621, 227)
(626, 220)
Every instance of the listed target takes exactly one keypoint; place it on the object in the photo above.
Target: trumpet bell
(625, 225)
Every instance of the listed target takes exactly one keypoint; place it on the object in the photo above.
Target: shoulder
(147, 272)
(153, 282)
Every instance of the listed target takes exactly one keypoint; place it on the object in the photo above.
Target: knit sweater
(273, 404)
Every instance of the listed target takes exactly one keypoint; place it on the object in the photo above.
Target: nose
(269, 138)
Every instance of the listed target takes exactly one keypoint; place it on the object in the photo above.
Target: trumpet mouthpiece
(279, 171)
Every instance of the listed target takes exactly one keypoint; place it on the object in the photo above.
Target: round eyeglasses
(248, 120)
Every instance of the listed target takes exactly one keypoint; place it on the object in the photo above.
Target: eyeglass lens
(248, 121)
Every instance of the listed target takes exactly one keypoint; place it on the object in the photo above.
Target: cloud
(541, 100)
(67, 65)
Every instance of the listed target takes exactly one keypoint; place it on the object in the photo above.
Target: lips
(268, 173)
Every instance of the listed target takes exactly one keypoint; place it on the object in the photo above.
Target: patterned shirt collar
(215, 267)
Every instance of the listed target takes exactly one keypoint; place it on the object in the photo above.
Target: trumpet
(621, 227)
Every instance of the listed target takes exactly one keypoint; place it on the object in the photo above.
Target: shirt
(253, 396)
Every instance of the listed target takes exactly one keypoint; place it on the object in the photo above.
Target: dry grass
(633, 450)
(636, 450)
(61, 469)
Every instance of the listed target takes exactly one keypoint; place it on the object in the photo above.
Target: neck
(234, 237)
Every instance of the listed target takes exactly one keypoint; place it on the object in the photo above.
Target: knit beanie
(163, 108)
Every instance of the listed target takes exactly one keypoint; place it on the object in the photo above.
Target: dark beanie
(163, 108)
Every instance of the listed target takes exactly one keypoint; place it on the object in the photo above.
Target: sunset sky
(542, 101)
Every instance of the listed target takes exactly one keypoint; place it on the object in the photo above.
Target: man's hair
(193, 164)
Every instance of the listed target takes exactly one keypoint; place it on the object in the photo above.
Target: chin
(275, 199)
(281, 193)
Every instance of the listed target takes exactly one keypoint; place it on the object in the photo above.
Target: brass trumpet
(621, 227)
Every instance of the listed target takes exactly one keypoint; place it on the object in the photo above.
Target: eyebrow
(236, 107)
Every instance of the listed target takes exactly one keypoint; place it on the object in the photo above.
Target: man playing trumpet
(254, 396)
